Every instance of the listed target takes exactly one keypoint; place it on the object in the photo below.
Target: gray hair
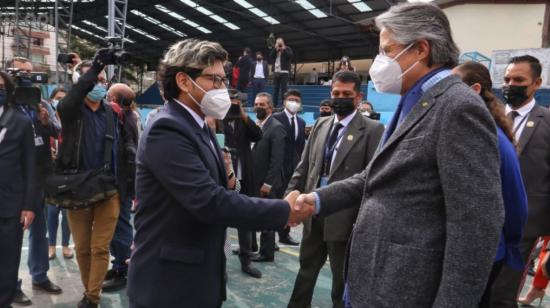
(269, 98)
(410, 22)
(190, 56)
(193, 53)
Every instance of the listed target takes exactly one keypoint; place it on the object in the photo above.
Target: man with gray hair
(431, 202)
(185, 192)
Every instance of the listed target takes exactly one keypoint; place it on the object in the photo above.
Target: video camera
(118, 55)
(25, 93)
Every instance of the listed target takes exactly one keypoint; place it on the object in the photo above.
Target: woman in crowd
(478, 78)
(345, 65)
(540, 282)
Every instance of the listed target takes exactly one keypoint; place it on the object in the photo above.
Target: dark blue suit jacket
(17, 166)
(293, 147)
(182, 214)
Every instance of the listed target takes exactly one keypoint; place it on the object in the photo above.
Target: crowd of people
(442, 208)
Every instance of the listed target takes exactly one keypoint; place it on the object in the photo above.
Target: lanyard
(30, 114)
(521, 123)
(333, 148)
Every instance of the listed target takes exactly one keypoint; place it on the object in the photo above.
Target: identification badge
(324, 181)
(38, 141)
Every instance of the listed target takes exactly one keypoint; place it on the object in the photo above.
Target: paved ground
(272, 290)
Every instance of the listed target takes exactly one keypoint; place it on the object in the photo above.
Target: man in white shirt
(259, 73)
(281, 57)
(531, 126)
(313, 77)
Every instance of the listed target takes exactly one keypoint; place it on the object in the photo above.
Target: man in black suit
(532, 131)
(240, 131)
(281, 58)
(268, 156)
(294, 144)
(339, 146)
(182, 187)
(244, 64)
(17, 162)
(259, 74)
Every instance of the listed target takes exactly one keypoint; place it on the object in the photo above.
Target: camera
(25, 93)
(65, 58)
(117, 54)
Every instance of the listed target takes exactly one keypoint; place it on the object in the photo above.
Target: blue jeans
(53, 223)
(38, 261)
(258, 86)
(123, 237)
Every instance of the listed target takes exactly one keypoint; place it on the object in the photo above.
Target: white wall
(488, 27)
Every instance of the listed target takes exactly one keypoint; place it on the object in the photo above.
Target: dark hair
(368, 103)
(534, 64)
(259, 53)
(348, 77)
(57, 90)
(167, 78)
(474, 72)
(9, 85)
(326, 102)
(293, 92)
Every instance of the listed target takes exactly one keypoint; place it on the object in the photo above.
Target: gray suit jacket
(534, 158)
(356, 149)
(431, 206)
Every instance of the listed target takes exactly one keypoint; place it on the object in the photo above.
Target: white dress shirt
(289, 116)
(522, 118)
(259, 72)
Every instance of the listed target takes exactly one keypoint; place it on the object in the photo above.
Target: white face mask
(55, 102)
(386, 73)
(215, 103)
(293, 106)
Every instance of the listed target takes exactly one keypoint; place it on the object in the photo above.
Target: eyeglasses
(216, 80)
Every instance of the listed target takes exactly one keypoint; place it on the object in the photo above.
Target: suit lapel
(530, 126)
(320, 142)
(353, 133)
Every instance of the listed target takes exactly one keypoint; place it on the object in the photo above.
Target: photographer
(17, 162)
(91, 151)
(121, 96)
(281, 57)
(38, 261)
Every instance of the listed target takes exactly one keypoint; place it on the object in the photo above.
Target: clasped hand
(302, 206)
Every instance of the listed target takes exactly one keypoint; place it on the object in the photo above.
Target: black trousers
(486, 298)
(313, 255)
(280, 84)
(267, 244)
(506, 286)
(245, 245)
(11, 240)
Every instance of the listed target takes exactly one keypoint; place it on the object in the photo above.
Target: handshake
(302, 206)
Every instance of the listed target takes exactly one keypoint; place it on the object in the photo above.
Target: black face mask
(343, 106)
(234, 112)
(259, 58)
(515, 95)
(261, 114)
(325, 113)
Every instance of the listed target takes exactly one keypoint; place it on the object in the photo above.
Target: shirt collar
(262, 123)
(345, 121)
(198, 118)
(433, 80)
(1, 110)
(523, 110)
(289, 115)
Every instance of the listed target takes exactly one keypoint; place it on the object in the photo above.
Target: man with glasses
(84, 117)
(182, 187)
(431, 208)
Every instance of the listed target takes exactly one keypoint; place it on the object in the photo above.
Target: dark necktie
(513, 115)
(293, 126)
(330, 147)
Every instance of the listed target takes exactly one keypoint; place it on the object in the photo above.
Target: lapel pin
(350, 137)
(530, 124)
(424, 104)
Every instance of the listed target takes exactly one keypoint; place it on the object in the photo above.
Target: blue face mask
(97, 93)
(3, 97)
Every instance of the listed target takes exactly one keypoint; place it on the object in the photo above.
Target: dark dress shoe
(47, 286)
(115, 284)
(260, 258)
(111, 274)
(251, 271)
(21, 299)
(86, 303)
(288, 240)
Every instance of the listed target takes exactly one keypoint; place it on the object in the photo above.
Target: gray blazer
(534, 158)
(431, 206)
(356, 149)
